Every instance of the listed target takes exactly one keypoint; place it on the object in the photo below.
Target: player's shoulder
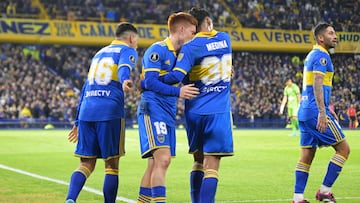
(223, 34)
(155, 52)
(321, 57)
(157, 47)
(320, 52)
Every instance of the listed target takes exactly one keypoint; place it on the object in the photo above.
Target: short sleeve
(152, 58)
(128, 58)
(321, 62)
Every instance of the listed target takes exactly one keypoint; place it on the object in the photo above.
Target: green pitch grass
(262, 169)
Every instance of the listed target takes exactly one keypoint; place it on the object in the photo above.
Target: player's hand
(127, 85)
(188, 91)
(73, 135)
(321, 122)
(282, 107)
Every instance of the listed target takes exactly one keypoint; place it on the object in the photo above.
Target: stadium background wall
(99, 34)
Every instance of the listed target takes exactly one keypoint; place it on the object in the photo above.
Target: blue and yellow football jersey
(207, 59)
(158, 60)
(102, 96)
(317, 61)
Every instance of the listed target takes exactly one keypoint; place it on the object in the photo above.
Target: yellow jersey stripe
(309, 77)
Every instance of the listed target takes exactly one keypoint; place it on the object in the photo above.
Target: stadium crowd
(46, 81)
(43, 82)
(278, 14)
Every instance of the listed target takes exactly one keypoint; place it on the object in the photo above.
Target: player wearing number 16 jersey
(207, 59)
(99, 127)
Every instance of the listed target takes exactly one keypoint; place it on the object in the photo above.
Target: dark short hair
(321, 27)
(123, 27)
(200, 14)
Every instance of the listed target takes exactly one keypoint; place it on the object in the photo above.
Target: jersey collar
(320, 48)
(169, 44)
(206, 34)
(118, 42)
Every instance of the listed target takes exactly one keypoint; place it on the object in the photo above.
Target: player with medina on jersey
(207, 59)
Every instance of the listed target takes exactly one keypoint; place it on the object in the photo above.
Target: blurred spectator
(286, 14)
(11, 9)
(25, 115)
(51, 84)
(351, 113)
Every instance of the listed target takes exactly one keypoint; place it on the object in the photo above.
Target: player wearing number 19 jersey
(100, 121)
(157, 107)
(207, 59)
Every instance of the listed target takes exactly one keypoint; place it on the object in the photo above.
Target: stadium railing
(132, 123)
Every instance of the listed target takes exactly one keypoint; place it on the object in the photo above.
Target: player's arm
(76, 123)
(319, 71)
(283, 102)
(183, 65)
(319, 98)
(298, 94)
(153, 83)
(152, 61)
(73, 134)
(125, 65)
(173, 77)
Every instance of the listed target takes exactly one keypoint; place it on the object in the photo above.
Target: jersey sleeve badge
(323, 61)
(132, 58)
(154, 57)
(180, 56)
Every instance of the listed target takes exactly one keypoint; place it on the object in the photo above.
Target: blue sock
(159, 194)
(196, 178)
(77, 182)
(111, 184)
(301, 177)
(144, 195)
(209, 186)
(334, 168)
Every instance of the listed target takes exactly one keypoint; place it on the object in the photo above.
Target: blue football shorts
(154, 133)
(210, 134)
(101, 139)
(310, 137)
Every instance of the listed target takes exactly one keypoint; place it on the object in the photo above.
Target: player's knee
(343, 149)
(198, 157)
(112, 163)
(163, 162)
(88, 163)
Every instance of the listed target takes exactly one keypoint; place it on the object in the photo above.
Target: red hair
(180, 17)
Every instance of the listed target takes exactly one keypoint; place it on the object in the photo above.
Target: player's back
(209, 56)
(317, 61)
(102, 94)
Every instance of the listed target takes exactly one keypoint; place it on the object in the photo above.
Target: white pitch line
(88, 189)
(98, 192)
(276, 200)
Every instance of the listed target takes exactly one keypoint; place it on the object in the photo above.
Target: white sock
(298, 197)
(325, 189)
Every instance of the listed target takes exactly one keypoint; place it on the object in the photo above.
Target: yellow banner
(100, 34)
